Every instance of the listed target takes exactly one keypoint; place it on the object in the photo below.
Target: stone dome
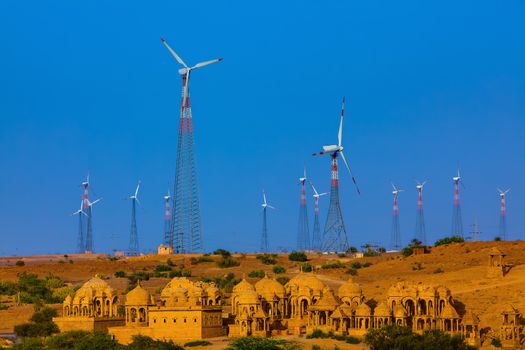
(382, 310)
(470, 318)
(249, 297)
(243, 286)
(306, 280)
(268, 287)
(138, 296)
(349, 289)
(363, 310)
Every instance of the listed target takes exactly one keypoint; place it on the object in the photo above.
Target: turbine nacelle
(331, 149)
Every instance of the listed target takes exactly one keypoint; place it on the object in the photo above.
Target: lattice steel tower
(395, 242)
(186, 230)
(317, 243)
(503, 214)
(457, 222)
(335, 238)
(133, 235)
(85, 221)
(303, 231)
(168, 237)
(420, 215)
(264, 236)
(80, 237)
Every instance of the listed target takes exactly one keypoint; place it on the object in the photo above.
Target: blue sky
(88, 86)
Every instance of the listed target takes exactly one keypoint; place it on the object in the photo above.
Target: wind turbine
(420, 215)
(303, 231)
(457, 221)
(396, 231)
(503, 213)
(168, 238)
(133, 237)
(185, 226)
(316, 233)
(334, 150)
(335, 238)
(264, 239)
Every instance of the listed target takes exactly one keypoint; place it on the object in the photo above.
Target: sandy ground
(464, 266)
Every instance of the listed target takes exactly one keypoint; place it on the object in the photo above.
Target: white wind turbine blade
(313, 188)
(206, 63)
(269, 206)
(95, 202)
(393, 186)
(340, 134)
(264, 198)
(323, 194)
(506, 191)
(350, 171)
(173, 53)
(137, 190)
(499, 190)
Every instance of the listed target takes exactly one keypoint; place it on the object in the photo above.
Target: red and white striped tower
(396, 232)
(503, 214)
(420, 216)
(303, 232)
(185, 227)
(457, 222)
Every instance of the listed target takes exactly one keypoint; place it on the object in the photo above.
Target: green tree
(66, 340)
(258, 343)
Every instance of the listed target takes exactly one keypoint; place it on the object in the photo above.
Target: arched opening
(422, 307)
(304, 307)
(133, 315)
(409, 306)
(142, 315)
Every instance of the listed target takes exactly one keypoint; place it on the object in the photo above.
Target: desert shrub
(20, 263)
(297, 256)
(66, 340)
(120, 274)
(61, 293)
(33, 289)
(97, 340)
(163, 268)
(439, 270)
(259, 343)
(41, 324)
(351, 272)
(333, 265)
(257, 274)
(225, 283)
(393, 337)
(169, 262)
(408, 250)
(497, 239)
(8, 288)
(316, 347)
(495, 342)
(356, 265)
(226, 262)
(201, 259)
(282, 280)
(54, 282)
(448, 240)
(366, 264)
(306, 267)
(222, 252)
(181, 272)
(197, 343)
(317, 334)
(277, 269)
(141, 342)
(352, 249)
(267, 259)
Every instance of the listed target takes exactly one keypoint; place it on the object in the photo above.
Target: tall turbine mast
(81, 214)
(335, 238)
(503, 213)
(420, 215)
(185, 229)
(396, 231)
(264, 236)
(317, 243)
(167, 221)
(303, 231)
(133, 235)
(457, 222)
